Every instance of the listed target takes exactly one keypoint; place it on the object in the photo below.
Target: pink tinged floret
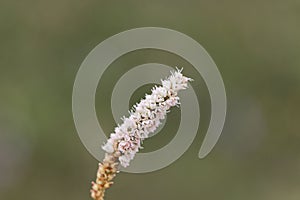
(124, 146)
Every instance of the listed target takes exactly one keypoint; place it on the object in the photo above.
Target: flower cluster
(144, 118)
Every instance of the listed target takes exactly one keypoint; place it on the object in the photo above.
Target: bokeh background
(256, 45)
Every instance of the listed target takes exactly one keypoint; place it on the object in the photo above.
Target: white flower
(124, 160)
(109, 146)
(145, 117)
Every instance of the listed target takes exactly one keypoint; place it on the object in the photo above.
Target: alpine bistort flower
(127, 138)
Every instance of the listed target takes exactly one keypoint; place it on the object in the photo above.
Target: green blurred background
(256, 45)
